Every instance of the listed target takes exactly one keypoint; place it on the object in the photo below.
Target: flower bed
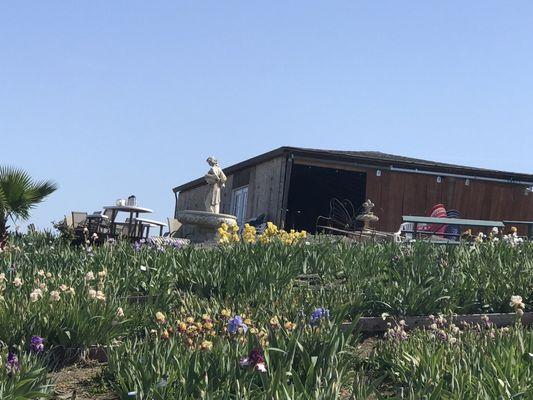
(255, 316)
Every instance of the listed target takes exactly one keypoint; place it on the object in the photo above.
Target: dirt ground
(82, 381)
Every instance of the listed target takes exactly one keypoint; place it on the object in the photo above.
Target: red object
(438, 211)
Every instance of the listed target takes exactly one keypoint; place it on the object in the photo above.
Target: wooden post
(286, 187)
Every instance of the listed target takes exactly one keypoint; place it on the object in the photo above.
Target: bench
(478, 223)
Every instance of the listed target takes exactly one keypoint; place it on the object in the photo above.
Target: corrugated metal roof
(376, 158)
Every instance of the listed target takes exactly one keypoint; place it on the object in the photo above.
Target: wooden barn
(294, 186)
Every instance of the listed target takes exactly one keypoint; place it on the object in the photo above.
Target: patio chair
(135, 231)
(108, 213)
(341, 216)
(438, 211)
(104, 223)
(453, 232)
(405, 231)
(78, 219)
(69, 222)
(173, 226)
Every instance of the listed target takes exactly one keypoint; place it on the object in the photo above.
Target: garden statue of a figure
(216, 180)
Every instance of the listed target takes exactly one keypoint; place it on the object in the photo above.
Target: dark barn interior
(311, 189)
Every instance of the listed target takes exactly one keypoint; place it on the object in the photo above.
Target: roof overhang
(416, 166)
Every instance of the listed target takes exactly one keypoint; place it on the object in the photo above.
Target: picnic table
(529, 225)
(479, 223)
(132, 223)
(148, 223)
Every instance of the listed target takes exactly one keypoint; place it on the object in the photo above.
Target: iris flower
(235, 323)
(318, 314)
(12, 363)
(255, 360)
(36, 344)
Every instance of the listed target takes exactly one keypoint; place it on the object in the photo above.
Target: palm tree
(19, 193)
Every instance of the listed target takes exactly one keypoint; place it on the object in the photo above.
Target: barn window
(239, 200)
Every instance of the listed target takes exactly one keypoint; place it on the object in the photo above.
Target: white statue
(216, 180)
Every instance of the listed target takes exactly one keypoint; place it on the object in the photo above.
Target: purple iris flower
(137, 246)
(255, 360)
(36, 344)
(235, 323)
(318, 314)
(12, 363)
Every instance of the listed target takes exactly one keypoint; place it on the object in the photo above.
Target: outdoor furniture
(529, 225)
(405, 230)
(132, 229)
(78, 219)
(69, 221)
(148, 223)
(341, 217)
(173, 226)
(448, 221)
(453, 231)
(438, 211)
(97, 223)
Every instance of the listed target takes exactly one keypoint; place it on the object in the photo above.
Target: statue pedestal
(202, 226)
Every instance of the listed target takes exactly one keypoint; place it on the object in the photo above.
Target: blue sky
(112, 98)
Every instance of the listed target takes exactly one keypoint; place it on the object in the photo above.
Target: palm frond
(19, 193)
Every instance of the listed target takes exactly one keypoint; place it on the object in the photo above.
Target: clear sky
(112, 98)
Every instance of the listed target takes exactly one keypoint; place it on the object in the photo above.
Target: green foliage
(28, 383)
(478, 364)
(19, 193)
(85, 291)
(301, 364)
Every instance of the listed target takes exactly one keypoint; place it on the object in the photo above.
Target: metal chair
(341, 216)
(173, 226)
(78, 219)
(69, 222)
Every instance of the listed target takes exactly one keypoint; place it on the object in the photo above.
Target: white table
(149, 223)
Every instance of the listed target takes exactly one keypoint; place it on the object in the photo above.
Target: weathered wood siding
(265, 191)
(194, 199)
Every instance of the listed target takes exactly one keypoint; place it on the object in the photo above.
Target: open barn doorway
(311, 190)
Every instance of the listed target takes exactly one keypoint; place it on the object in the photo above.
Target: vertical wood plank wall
(194, 199)
(399, 193)
(265, 190)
